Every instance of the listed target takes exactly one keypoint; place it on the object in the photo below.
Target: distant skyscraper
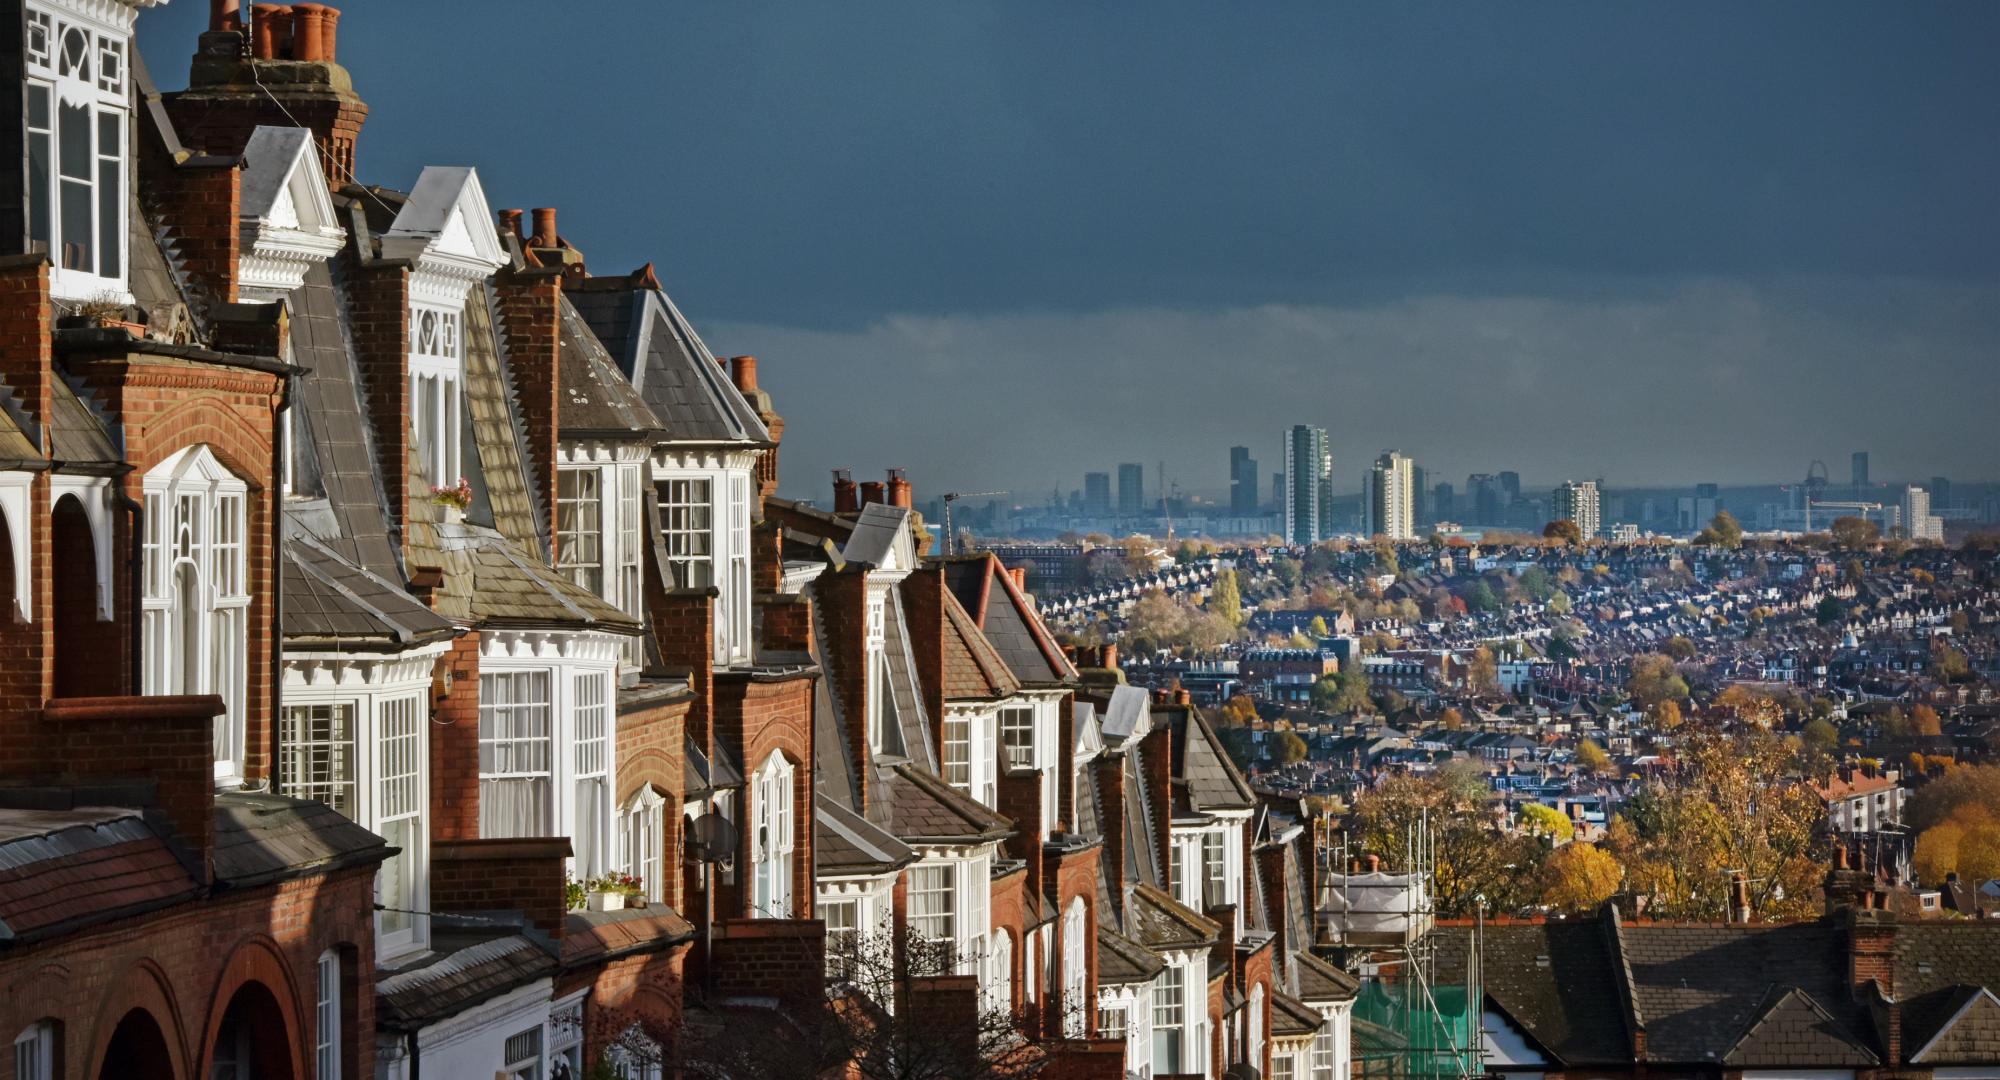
(1390, 498)
(1420, 490)
(1859, 470)
(1510, 485)
(1096, 493)
(1918, 521)
(1308, 484)
(1578, 502)
(1131, 489)
(1242, 482)
(1489, 502)
(1444, 502)
(1940, 493)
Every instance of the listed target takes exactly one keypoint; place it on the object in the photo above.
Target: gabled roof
(844, 842)
(1203, 768)
(1791, 1029)
(972, 670)
(1961, 1028)
(593, 398)
(925, 809)
(880, 539)
(445, 220)
(986, 591)
(331, 603)
(673, 370)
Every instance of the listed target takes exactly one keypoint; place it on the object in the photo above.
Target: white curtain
(514, 807)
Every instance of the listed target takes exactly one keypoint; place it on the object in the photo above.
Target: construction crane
(949, 497)
(1832, 504)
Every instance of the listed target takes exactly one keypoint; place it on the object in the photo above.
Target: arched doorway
(138, 1050)
(82, 665)
(253, 1041)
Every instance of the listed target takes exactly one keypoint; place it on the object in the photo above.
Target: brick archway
(142, 990)
(259, 983)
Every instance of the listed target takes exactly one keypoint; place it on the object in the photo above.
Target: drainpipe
(135, 608)
(280, 426)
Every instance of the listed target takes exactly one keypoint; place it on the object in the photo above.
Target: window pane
(78, 209)
(579, 527)
(110, 167)
(514, 754)
(41, 163)
(317, 754)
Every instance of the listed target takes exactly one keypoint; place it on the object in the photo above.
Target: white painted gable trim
(448, 233)
(286, 218)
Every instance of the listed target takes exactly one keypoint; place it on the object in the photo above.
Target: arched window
(1256, 1040)
(35, 1052)
(1076, 1000)
(197, 593)
(642, 831)
(326, 1017)
(771, 839)
(1000, 974)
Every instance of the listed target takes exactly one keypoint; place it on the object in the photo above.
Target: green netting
(1399, 1031)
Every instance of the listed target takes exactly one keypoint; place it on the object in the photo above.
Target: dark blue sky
(1002, 243)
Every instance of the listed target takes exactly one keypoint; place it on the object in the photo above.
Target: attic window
(76, 111)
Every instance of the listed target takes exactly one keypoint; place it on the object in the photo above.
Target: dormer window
(76, 126)
(437, 363)
(705, 508)
(877, 660)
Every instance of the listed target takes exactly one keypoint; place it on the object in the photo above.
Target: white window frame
(772, 838)
(582, 513)
(326, 1017)
(437, 390)
(1076, 990)
(1170, 1019)
(875, 657)
(569, 662)
(98, 87)
(707, 533)
(592, 694)
(998, 982)
(642, 840)
(197, 524)
(1019, 741)
(517, 747)
(35, 1052)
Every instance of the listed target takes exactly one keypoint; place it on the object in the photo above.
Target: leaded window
(76, 111)
(316, 754)
(195, 609)
(772, 839)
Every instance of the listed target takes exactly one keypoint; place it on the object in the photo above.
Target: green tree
(1343, 692)
(1318, 628)
(1680, 648)
(1949, 665)
(1479, 597)
(1559, 604)
(1225, 600)
(1564, 530)
(1536, 584)
(1820, 734)
(1829, 611)
(1288, 748)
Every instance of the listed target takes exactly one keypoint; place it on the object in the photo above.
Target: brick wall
(1156, 776)
(841, 597)
(454, 730)
(520, 874)
(531, 316)
(184, 964)
(90, 656)
(787, 622)
(378, 308)
(223, 104)
(1020, 798)
(774, 958)
(651, 752)
(646, 990)
(25, 660)
(170, 740)
(923, 609)
(1111, 792)
(198, 202)
(754, 719)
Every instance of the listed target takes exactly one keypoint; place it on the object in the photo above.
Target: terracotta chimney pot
(545, 227)
(510, 223)
(872, 492)
(743, 372)
(1374, 864)
(899, 489)
(845, 497)
(1110, 657)
(329, 21)
(269, 31)
(307, 44)
(223, 15)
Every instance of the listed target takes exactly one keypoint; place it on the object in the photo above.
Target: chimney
(169, 740)
(545, 228)
(1373, 863)
(845, 499)
(510, 224)
(524, 874)
(530, 315)
(743, 372)
(872, 491)
(1020, 576)
(1108, 656)
(1871, 962)
(1739, 898)
(1156, 776)
(899, 489)
(1224, 949)
(1270, 861)
(290, 77)
(1111, 786)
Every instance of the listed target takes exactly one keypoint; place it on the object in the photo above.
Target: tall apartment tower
(1859, 471)
(1578, 501)
(1242, 482)
(1308, 484)
(1096, 493)
(1918, 521)
(1390, 500)
(1131, 489)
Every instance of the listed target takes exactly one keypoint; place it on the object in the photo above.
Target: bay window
(932, 910)
(196, 603)
(772, 839)
(1111, 1023)
(580, 527)
(705, 509)
(1017, 736)
(1075, 978)
(76, 113)
(687, 528)
(999, 980)
(516, 754)
(631, 551)
(398, 815)
(843, 936)
(1322, 1054)
(316, 754)
(593, 783)
(969, 754)
(958, 751)
(1168, 1009)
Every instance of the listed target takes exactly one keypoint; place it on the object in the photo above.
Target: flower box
(607, 901)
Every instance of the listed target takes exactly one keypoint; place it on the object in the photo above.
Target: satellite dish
(712, 838)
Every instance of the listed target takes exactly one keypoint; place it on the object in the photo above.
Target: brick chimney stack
(280, 68)
(899, 489)
(846, 497)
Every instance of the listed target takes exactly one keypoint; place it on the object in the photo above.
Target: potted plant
(105, 312)
(454, 500)
(614, 891)
(574, 894)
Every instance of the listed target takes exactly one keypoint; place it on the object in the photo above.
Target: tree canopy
(1564, 530)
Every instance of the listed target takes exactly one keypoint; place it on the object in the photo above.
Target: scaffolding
(1407, 1024)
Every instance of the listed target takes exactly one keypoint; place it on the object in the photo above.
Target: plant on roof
(460, 496)
(575, 895)
(625, 884)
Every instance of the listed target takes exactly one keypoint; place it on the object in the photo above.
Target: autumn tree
(1564, 531)
(1547, 822)
(1343, 692)
(1664, 715)
(1472, 855)
(1579, 878)
(1238, 711)
(1225, 600)
(1854, 533)
(1924, 721)
(1748, 705)
(1483, 672)
(1723, 531)
(1288, 748)
(1452, 720)
(1592, 757)
(1655, 679)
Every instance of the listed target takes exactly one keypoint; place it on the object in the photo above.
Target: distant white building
(1918, 521)
(1389, 500)
(1578, 502)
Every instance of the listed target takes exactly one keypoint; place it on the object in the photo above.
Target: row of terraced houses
(376, 571)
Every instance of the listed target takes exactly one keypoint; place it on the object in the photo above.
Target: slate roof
(1158, 921)
(409, 999)
(1122, 961)
(1791, 1029)
(496, 459)
(986, 591)
(332, 603)
(490, 581)
(105, 862)
(1553, 979)
(261, 838)
(972, 670)
(844, 842)
(1293, 1019)
(1699, 986)
(337, 443)
(925, 809)
(592, 937)
(1962, 1027)
(1319, 981)
(661, 354)
(15, 446)
(594, 400)
(76, 432)
(873, 535)
(1201, 767)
